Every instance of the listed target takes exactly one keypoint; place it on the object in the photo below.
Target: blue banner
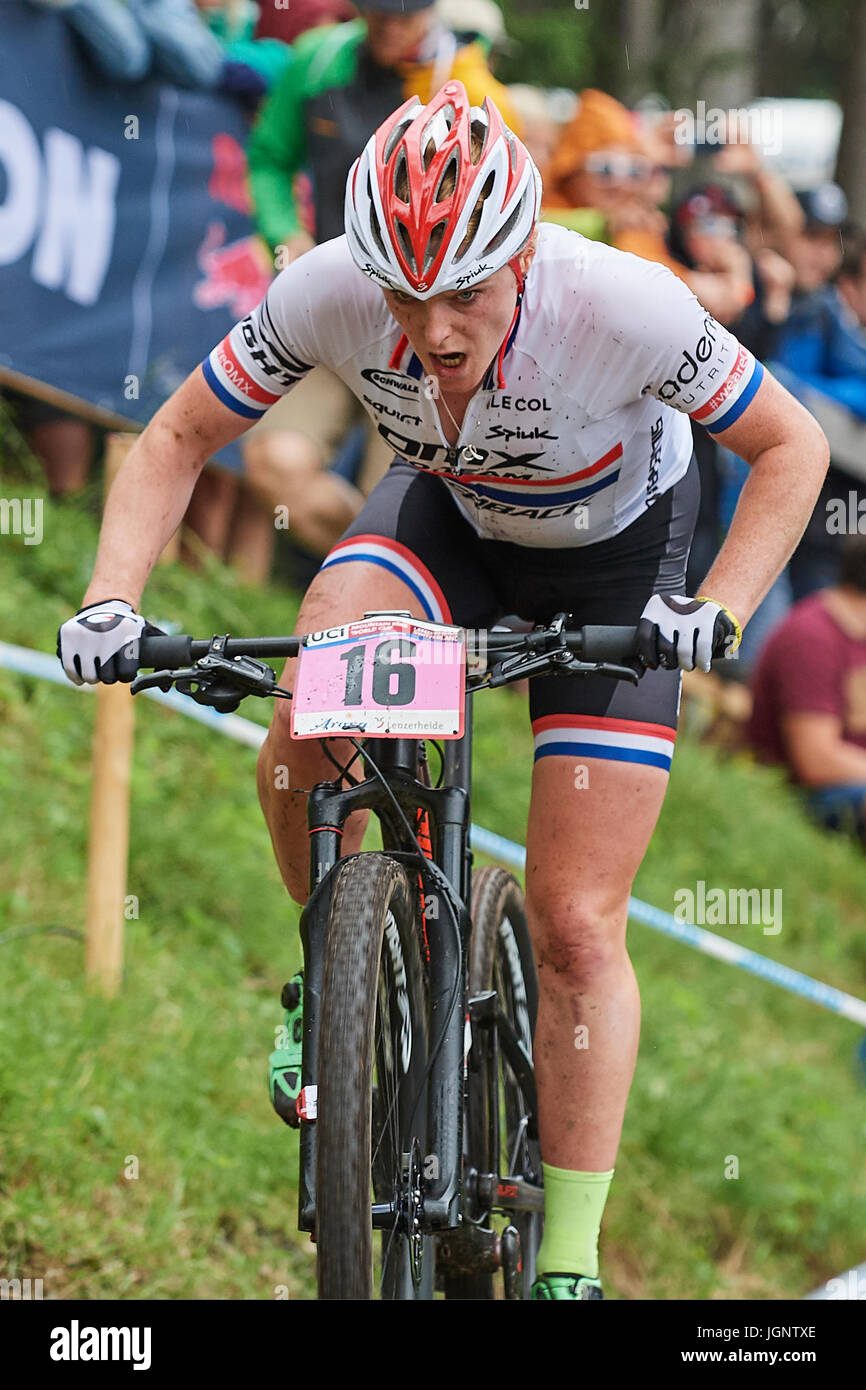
(126, 243)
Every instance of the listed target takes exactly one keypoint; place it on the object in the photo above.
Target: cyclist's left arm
(788, 456)
(698, 367)
(668, 346)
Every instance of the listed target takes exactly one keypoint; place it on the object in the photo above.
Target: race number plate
(383, 677)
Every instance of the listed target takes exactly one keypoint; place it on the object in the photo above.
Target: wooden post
(109, 837)
(109, 806)
(108, 850)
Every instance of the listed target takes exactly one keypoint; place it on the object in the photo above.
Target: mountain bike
(418, 1108)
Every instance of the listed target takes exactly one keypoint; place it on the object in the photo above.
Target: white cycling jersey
(577, 429)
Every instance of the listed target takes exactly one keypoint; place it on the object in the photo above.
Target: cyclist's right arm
(150, 495)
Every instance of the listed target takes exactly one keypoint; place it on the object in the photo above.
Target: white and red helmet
(421, 243)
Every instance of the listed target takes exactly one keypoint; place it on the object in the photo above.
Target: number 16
(385, 669)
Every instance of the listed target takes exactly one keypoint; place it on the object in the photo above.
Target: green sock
(573, 1206)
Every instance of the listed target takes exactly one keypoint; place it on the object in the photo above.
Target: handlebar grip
(602, 643)
(164, 652)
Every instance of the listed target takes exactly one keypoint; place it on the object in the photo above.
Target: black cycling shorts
(411, 526)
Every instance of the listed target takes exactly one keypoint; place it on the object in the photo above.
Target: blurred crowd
(785, 272)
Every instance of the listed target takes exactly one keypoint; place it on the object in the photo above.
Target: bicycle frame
(448, 808)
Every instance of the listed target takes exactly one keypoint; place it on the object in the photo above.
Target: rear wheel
(370, 1130)
(502, 960)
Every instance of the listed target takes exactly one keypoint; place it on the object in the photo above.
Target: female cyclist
(535, 388)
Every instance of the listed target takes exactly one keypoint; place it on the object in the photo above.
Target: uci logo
(702, 352)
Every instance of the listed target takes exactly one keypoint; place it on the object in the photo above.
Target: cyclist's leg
(598, 784)
(408, 549)
(602, 755)
(591, 819)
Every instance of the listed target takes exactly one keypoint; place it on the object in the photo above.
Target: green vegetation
(172, 1074)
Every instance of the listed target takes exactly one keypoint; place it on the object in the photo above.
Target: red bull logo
(228, 181)
(235, 274)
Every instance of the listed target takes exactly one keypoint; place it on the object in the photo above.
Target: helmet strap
(500, 374)
(397, 354)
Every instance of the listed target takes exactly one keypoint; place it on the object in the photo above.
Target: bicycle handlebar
(594, 642)
(225, 670)
(181, 649)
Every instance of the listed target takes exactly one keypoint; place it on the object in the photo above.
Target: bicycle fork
(328, 808)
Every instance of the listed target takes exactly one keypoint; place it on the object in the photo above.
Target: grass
(139, 1157)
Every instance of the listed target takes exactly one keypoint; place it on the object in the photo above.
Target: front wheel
(371, 1124)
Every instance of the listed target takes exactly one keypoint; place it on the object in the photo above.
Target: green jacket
(324, 109)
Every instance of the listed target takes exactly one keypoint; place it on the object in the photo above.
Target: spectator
(815, 249)
(809, 709)
(251, 63)
(807, 328)
(63, 443)
(343, 83)
(540, 127)
(705, 224)
(824, 339)
(601, 164)
(851, 280)
(772, 211)
(821, 346)
(479, 20)
(328, 104)
(711, 215)
(212, 44)
(127, 39)
(287, 23)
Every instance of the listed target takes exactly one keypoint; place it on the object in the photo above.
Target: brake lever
(244, 674)
(516, 667)
(620, 673)
(219, 682)
(548, 662)
(161, 680)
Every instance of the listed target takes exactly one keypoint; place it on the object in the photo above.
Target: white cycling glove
(101, 643)
(685, 632)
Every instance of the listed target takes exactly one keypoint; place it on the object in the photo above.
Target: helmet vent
(377, 234)
(406, 245)
(478, 139)
(401, 177)
(394, 139)
(472, 228)
(444, 120)
(450, 178)
(374, 220)
(504, 231)
(433, 244)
